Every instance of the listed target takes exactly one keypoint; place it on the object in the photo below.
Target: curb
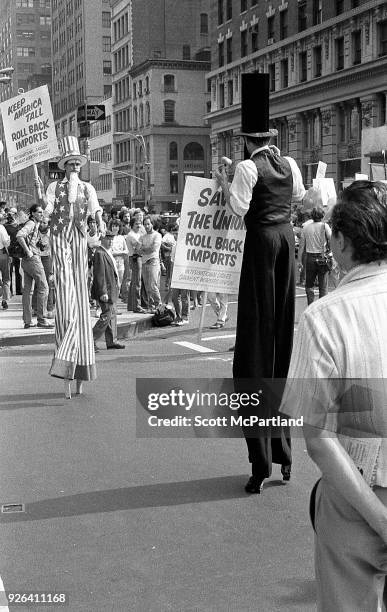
(127, 329)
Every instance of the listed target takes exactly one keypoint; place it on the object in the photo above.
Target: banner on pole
(210, 242)
(29, 129)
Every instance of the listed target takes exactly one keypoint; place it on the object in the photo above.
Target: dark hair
(34, 208)
(258, 141)
(90, 218)
(361, 216)
(114, 222)
(317, 213)
(150, 219)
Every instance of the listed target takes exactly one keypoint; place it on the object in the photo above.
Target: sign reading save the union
(29, 128)
(210, 241)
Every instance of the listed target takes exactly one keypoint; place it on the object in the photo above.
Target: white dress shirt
(246, 176)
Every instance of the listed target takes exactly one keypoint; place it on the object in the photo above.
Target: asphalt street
(123, 523)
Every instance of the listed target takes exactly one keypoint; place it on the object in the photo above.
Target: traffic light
(5, 74)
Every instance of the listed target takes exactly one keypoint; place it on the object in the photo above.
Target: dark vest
(60, 215)
(272, 194)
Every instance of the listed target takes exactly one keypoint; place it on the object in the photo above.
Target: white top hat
(70, 151)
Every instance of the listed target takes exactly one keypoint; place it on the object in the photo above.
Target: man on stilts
(69, 202)
(264, 186)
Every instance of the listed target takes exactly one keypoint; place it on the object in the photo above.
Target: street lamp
(140, 139)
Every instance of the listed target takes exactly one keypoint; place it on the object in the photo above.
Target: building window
(220, 12)
(283, 24)
(228, 9)
(107, 67)
(317, 12)
(221, 95)
(254, 39)
(339, 42)
(302, 21)
(173, 151)
(169, 111)
(193, 152)
(25, 51)
(355, 3)
(229, 50)
(186, 52)
(221, 53)
(382, 29)
(24, 3)
(317, 61)
(203, 23)
(356, 47)
(169, 82)
(339, 7)
(107, 91)
(303, 66)
(244, 43)
(105, 19)
(285, 72)
(174, 181)
(106, 43)
(147, 113)
(230, 92)
(272, 77)
(243, 6)
(270, 29)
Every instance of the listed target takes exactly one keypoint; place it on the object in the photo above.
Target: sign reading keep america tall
(29, 129)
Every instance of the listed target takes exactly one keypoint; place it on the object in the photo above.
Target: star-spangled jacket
(61, 211)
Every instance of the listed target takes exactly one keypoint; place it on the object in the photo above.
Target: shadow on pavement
(130, 498)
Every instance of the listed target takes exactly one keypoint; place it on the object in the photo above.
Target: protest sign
(29, 129)
(327, 190)
(210, 242)
(321, 170)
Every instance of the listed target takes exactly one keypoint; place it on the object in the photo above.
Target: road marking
(196, 347)
(3, 598)
(218, 337)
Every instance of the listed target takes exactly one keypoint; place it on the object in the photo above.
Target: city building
(327, 63)
(25, 44)
(100, 170)
(161, 53)
(81, 58)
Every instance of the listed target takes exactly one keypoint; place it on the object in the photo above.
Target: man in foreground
(337, 383)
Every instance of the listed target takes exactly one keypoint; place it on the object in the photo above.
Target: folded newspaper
(364, 453)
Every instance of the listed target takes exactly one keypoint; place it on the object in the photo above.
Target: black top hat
(255, 105)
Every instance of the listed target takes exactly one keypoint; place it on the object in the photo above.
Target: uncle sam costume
(74, 356)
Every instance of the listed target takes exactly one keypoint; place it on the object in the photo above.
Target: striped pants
(74, 347)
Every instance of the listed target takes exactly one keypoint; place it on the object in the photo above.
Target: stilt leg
(67, 388)
(79, 389)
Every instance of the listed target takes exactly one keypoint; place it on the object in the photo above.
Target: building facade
(25, 44)
(81, 58)
(161, 53)
(327, 63)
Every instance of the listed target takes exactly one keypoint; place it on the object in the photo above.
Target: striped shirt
(340, 337)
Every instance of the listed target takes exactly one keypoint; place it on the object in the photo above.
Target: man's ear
(341, 241)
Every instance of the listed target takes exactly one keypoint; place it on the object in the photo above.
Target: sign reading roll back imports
(210, 242)
(29, 128)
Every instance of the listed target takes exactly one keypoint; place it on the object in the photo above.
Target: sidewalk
(12, 332)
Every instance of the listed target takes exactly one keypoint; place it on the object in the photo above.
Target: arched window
(141, 116)
(169, 82)
(169, 111)
(173, 151)
(193, 150)
(135, 120)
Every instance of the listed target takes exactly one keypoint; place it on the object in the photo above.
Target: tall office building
(81, 58)
(161, 52)
(327, 63)
(25, 44)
